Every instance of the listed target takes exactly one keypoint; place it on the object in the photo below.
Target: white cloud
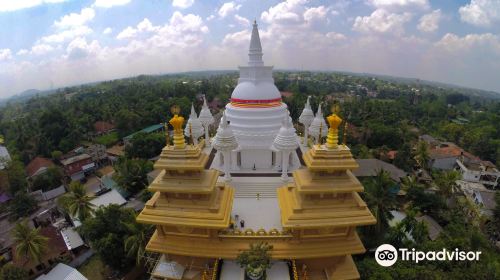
(142, 27)
(242, 20)
(41, 49)
(210, 17)
(79, 48)
(5, 54)
(382, 21)
(75, 19)
(108, 30)
(22, 52)
(183, 4)
(480, 12)
(477, 42)
(66, 34)
(289, 11)
(430, 22)
(315, 13)
(399, 3)
(110, 3)
(228, 8)
(14, 5)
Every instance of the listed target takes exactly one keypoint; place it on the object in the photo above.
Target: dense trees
(108, 232)
(11, 272)
(49, 180)
(132, 174)
(145, 145)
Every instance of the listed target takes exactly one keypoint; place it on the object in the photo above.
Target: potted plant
(256, 260)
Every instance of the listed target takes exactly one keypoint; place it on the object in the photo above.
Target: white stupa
(195, 126)
(255, 112)
(318, 124)
(286, 143)
(206, 118)
(224, 142)
(306, 118)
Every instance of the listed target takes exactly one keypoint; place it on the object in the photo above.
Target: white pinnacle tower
(206, 118)
(225, 142)
(194, 127)
(286, 143)
(318, 124)
(306, 119)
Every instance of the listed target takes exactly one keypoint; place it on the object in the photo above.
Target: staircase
(249, 187)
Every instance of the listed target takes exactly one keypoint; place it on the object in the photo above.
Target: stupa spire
(334, 121)
(177, 121)
(225, 142)
(194, 128)
(206, 117)
(318, 125)
(255, 51)
(306, 119)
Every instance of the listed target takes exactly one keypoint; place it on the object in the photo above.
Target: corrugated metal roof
(111, 197)
(71, 238)
(62, 272)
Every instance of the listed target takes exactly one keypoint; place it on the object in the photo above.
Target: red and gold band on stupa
(256, 103)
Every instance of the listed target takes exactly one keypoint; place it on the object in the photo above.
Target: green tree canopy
(30, 244)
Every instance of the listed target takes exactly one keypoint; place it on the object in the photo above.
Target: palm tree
(380, 198)
(30, 244)
(135, 243)
(77, 203)
(446, 182)
(422, 154)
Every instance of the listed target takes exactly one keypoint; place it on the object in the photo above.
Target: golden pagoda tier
(323, 203)
(187, 200)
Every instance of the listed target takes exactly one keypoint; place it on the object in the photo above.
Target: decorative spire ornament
(176, 122)
(334, 121)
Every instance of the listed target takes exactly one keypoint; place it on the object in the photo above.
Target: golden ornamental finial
(334, 121)
(177, 121)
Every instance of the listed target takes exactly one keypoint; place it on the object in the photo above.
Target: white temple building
(255, 114)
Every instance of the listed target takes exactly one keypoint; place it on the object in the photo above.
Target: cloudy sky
(52, 43)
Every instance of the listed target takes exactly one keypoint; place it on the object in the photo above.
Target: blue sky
(54, 43)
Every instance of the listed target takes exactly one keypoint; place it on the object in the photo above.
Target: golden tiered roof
(326, 193)
(186, 195)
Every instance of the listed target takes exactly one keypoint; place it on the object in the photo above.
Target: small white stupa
(194, 127)
(224, 142)
(206, 118)
(286, 143)
(306, 118)
(318, 124)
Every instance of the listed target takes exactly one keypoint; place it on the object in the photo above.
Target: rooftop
(148, 129)
(74, 159)
(111, 197)
(433, 228)
(370, 167)
(34, 167)
(62, 272)
(102, 126)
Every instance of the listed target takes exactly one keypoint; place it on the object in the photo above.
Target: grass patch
(94, 269)
(108, 140)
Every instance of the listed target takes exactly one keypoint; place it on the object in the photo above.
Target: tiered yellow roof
(326, 193)
(186, 195)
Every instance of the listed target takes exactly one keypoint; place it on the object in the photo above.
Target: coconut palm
(422, 154)
(135, 243)
(76, 202)
(380, 198)
(30, 244)
(446, 182)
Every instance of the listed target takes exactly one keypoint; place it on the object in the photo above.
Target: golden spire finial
(177, 121)
(334, 121)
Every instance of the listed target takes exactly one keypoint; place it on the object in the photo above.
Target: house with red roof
(444, 156)
(38, 166)
(102, 127)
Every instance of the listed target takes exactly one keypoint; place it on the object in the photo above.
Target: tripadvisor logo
(387, 255)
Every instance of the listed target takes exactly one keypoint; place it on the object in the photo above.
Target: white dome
(256, 91)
